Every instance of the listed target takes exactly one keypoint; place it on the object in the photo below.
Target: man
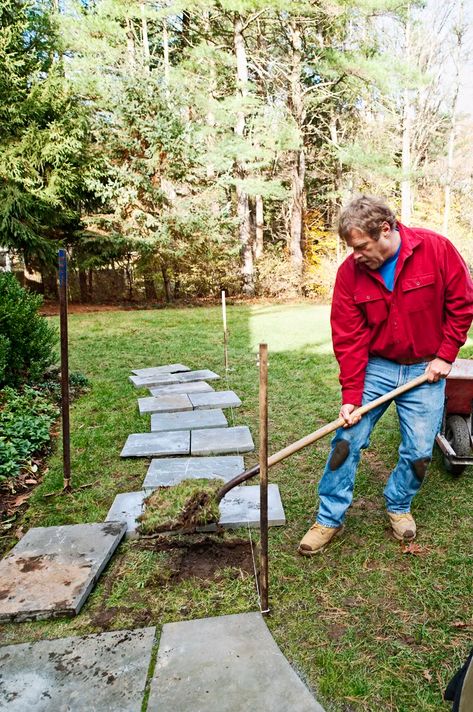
(402, 305)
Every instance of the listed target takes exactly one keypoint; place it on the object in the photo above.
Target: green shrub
(26, 418)
(27, 344)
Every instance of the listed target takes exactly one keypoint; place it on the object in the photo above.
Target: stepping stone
(239, 508)
(51, 571)
(188, 421)
(154, 370)
(156, 444)
(204, 375)
(193, 387)
(164, 404)
(161, 379)
(217, 399)
(225, 664)
(97, 672)
(220, 442)
(170, 471)
(126, 508)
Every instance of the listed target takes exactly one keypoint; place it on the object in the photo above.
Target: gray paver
(162, 379)
(153, 370)
(204, 375)
(220, 442)
(192, 387)
(217, 399)
(170, 471)
(96, 673)
(127, 507)
(51, 571)
(155, 444)
(240, 507)
(225, 664)
(173, 402)
(161, 422)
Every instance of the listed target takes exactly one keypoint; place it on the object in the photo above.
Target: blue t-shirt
(388, 269)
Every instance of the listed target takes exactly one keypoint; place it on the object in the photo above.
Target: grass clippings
(183, 507)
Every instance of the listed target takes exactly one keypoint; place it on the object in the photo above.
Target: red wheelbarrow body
(454, 438)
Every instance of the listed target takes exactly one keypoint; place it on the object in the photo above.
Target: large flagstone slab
(217, 399)
(170, 470)
(196, 419)
(192, 387)
(204, 375)
(161, 379)
(95, 673)
(170, 403)
(153, 370)
(217, 441)
(126, 508)
(239, 508)
(51, 571)
(225, 664)
(176, 442)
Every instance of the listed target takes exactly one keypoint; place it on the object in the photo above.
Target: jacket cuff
(352, 396)
(447, 352)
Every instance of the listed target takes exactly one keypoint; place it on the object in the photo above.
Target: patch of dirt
(378, 467)
(366, 505)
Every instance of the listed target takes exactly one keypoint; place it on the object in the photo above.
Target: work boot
(317, 539)
(403, 526)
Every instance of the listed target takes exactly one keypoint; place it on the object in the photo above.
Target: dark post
(66, 443)
(263, 464)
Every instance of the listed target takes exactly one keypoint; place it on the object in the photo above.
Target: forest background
(180, 148)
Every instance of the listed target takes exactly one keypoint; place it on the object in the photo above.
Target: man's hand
(437, 369)
(346, 413)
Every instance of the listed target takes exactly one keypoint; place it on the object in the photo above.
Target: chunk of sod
(190, 504)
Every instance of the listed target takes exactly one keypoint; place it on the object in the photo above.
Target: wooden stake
(263, 465)
(66, 441)
(225, 332)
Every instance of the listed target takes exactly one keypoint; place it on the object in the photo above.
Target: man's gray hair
(366, 213)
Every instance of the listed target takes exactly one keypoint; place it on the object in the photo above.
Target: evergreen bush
(27, 339)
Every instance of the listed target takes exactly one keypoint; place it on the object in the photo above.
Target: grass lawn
(366, 626)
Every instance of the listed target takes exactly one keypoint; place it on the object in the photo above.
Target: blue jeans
(420, 413)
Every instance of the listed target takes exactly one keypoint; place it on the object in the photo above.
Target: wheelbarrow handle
(320, 433)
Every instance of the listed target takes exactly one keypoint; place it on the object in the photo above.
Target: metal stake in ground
(263, 465)
(225, 332)
(66, 441)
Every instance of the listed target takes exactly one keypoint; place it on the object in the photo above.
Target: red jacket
(427, 314)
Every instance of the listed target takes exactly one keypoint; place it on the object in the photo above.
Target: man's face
(370, 252)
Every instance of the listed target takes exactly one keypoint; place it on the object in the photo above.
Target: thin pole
(225, 332)
(66, 440)
(263, 464)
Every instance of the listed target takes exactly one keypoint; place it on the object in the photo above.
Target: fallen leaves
(413, 549)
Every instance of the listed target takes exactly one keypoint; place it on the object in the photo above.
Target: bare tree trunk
(144, 34)
(150, 289)
(259, 226)
(406, 196)
(166, 61)
(243, 209)
(296, 210)
(83, 286)
(167, 284)
(130, 42)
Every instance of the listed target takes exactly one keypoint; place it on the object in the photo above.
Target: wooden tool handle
(320, 433)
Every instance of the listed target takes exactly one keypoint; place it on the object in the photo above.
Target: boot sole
(307, 552)
(400, 537)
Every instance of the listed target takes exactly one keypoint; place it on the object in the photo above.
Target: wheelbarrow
(455, 436)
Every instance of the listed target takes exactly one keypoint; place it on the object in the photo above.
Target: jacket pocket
(419, 292)
(373, 305)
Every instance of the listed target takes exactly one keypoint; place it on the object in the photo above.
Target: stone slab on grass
(217, 441)
(51, 571)
(225, 664)
(127, 507)
(196, 419)
(173, 402)
(204, 375)
(192, 387)
(171, 471)
(95, 673)
(217, 399)
(154, 370)
(176, 442)
(239, 508)
(161, 379)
